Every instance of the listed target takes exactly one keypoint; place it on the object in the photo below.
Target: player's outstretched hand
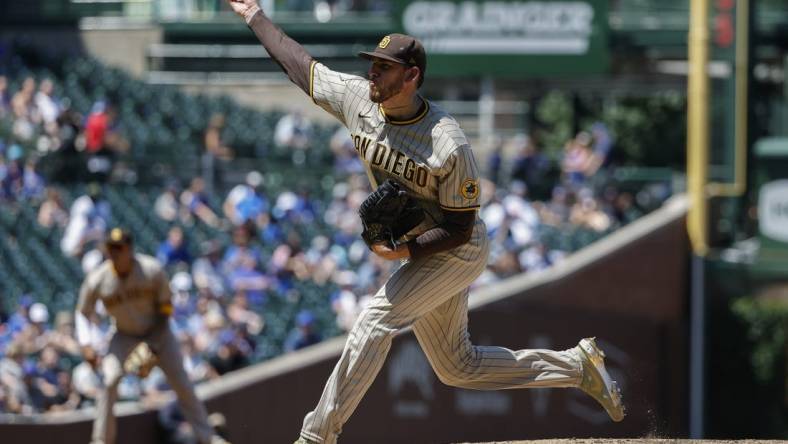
(244, 8)
(386, 252)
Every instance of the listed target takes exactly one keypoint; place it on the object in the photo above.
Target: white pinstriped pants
(432, 295)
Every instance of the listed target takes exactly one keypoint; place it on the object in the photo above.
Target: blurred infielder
(135, 291)
(401, 136)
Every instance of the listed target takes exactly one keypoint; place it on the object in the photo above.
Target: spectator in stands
(34, 335)
(211, 322)
(195, 200)
(530, 166)
(345, 303)
(578, 162)
(603, 143)
(12, 180)
(167, 206)
(214, 145)
(217, 153)
(294, 207)
(624, 209)
(47, 105)
(585, 213)
(86, 381)
(103, 140)
(269, 229)
(196, 367)
(495, 160)
(32, 182)
(504, 263)
(293, 131)
(522, 219)
(372, 274)
(232, 353)
(239, 314)
(246, 278)
(207, 270)
(52, 212)
(5, 99)
(19, 319)
(174, 249)
(62, 337)
(281, 260)
(12, 381)
(347, 229)
(346, 160)
(304, 334)
(51, 388)
(182, 286)
(5, 334)
(87, 222)
(4, 194)
(493, 213)
(67, 162)
(536, 258)
(246, 202)
(556, 211)
(23, 100)
(24, 112)
(242, 247)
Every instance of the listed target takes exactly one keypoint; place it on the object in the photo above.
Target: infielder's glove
(388, 213)
(141, 360)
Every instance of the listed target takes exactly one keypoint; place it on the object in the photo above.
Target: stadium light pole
(697, 218)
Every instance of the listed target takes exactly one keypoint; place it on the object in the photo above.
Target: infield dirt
(634, 441)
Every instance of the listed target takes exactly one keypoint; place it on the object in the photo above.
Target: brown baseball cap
(399, 48)
(118, 236)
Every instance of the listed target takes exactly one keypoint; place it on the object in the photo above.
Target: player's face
(120, 255)
(386, 80)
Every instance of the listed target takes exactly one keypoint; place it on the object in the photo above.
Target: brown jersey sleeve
(291, 56)
(455, 230)
(86, 302)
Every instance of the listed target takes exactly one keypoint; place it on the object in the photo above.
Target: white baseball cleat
(303, 441)
(597, 382)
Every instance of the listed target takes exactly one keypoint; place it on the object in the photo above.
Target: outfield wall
(629, 290)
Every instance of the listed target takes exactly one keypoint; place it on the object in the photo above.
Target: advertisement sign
(773, 210)
(510, 38)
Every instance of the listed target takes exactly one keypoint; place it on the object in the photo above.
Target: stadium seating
(165, 127)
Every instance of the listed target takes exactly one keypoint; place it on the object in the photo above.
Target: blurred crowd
(284, 247)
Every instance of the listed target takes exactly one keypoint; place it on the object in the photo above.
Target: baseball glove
(388, 213)
(141, 360)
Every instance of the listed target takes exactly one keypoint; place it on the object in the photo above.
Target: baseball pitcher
(409, 144)
(135, 292)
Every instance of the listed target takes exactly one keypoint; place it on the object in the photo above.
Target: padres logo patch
(385, 42)
(469, 189)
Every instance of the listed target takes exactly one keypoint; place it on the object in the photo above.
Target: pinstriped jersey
(428, 154)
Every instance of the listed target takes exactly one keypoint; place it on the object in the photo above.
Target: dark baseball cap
(118, 236)
(399, 48)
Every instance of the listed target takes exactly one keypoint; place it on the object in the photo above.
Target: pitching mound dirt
(634, 441)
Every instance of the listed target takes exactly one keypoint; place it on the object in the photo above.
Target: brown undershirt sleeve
(286, 52)
(455, 230)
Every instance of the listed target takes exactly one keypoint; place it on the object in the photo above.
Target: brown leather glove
(141, 360)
